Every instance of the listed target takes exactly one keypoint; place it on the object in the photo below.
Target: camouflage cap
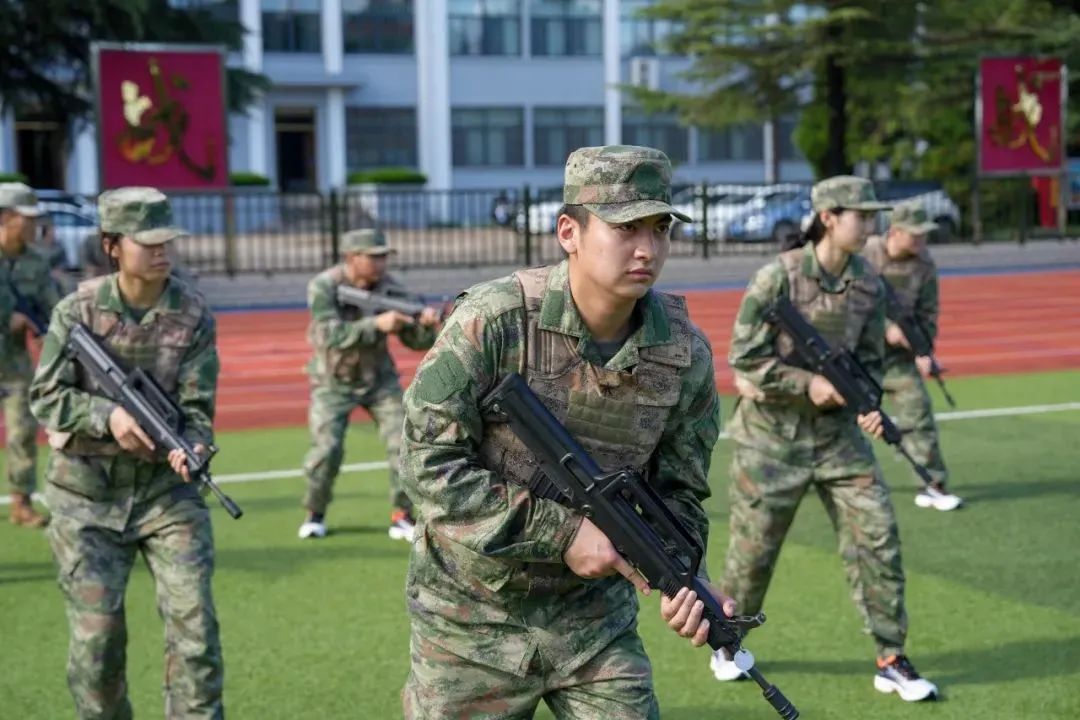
(620, 183)
(20, 198)
(911, 216)
(368, 241)
(846, 192)
(141, 213)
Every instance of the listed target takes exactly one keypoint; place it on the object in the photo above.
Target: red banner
(1022, 115)
(161, 117)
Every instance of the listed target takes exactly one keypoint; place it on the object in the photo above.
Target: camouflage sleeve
(752, 354)
(330, 330)
(196, 382)
(870, 348)
(417, 336)
(441, 471)
(927, 304)
(686, 447)
(55, 398)
(50, 291)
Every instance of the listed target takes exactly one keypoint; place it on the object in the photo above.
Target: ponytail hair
(811, 234)
(108, 241)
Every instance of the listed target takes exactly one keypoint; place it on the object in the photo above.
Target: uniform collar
(109, 298)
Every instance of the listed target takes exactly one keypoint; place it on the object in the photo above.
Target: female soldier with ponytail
(792, 433)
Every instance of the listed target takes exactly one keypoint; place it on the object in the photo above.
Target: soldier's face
(624, 260)
(367, 269)
(905, 242)
(850, 229)
(17, 230)
(149, 263)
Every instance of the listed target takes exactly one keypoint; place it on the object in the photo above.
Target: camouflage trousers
(21, 436)
(328, 420)
(94, 566)
(766, 492)
(912, 412)
(614, 685)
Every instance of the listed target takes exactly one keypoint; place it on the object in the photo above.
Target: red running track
(989, 324)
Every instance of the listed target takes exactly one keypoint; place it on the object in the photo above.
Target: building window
(639, 35)
(485, 27)
(380, 137)
(292, 26)
(559, 131)
(377, 26)
(658, 130)
(735, 142)
(488, 137)
(567, 27)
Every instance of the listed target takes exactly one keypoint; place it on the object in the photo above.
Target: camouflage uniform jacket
(175, 341)
(29, 273)
(487, 580)
(774, 412)
(915, 281)
(349, 349)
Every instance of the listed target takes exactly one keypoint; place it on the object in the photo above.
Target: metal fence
(258, 231)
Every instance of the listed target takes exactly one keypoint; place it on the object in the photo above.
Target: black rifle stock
(377, 302)
(860, 391)
(139, 394)
(916, 334)
(39, 321)
(653, 540)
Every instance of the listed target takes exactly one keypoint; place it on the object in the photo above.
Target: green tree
(45, 53)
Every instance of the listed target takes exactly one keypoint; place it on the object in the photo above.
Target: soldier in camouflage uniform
(26, 271)
(112, 494)
(792, 434)
(514, 598)
(351, 368)
(903, 261)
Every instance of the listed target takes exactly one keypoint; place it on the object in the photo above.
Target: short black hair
(577, 213)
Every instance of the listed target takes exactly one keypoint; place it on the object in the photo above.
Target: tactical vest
(906, 276)
(840, 317)
(617, 416)
(157, 348)
(354, 365)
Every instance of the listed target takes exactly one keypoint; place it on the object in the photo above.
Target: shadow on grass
(1008, 662)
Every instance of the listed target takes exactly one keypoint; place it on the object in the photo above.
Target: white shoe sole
(884, 685)
(307, 531)
(944, 503)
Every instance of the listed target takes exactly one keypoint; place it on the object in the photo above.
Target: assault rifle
(377, 302)
(154, 411)
(861, 392)
(630, 513)
(916, 334)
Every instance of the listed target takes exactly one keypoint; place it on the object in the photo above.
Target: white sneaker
(724, 669)
(899, 676)
(312, 529)
(939, 499)
(402, 526)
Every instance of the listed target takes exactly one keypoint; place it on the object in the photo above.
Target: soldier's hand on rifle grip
(129, 435)
(823, 394)
(924, 363)
(429, 317)
(391, 321)
(683, 612)
(178, 461)
(871, 423)
(895, 336)
(591, 555)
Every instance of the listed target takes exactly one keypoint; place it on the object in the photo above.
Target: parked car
(70, 229)
(726, 203)
(81, 203)
(770, 217)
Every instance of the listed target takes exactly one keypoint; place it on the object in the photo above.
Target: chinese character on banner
(1022, 115)
(161, 117)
